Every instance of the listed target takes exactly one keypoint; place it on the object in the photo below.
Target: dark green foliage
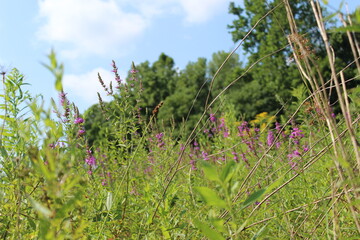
(273, 77)
(191, 91)
(158, 81)
(96, 124)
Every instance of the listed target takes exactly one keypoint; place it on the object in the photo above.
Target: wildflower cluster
(252, 142)
(295, 156)
(222, 128)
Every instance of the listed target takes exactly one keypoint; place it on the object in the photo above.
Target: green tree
(274, 76)
(240, 94)
(189, 97)
(97, 124)
(228, 73)
(158, 81)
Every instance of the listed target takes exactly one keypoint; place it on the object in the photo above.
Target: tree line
(268, 81)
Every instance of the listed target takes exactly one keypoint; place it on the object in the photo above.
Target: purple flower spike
(78, 120)
(270, 138)
(81, 132)
(205, 155)
(296, 133)
(91, 160)
(212, 117)
(133, 71)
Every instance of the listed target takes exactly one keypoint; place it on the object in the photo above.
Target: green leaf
(165, 232)
(348, 28)
(3, 151)
(70, 204)
(53, 61)
(58, 84)
(109, 201)
(40, 208)
(227, 172)
(219, 224)
(6, 118)
(31, 223)
(207, 231)
(57, 70)
(210, 171)
(343, 162)
(210, 197)
(261, 232)
(252, 198)
(7, 133)
(274, 184)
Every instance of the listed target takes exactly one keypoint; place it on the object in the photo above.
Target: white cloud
(102, 27)
(85, 86)
(198, 11)
(89, 26)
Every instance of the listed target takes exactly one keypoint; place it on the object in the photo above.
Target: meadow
(274, 177)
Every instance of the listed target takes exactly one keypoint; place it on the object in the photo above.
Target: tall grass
(228, 179)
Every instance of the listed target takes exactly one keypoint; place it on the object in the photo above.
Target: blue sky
(88, 34)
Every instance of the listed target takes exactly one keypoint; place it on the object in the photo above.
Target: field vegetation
(262, 149)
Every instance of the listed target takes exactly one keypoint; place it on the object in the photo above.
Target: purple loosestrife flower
(236, 158)
(182, 148)
(63, 100)
(249, 144)
(196, 146)
(212, 117)
(222, 123)
(223, 128)
(277, 127)
(208, 133)
(193, 164)
(293, 164)
(78, 120)
(159, 137)
(296, 135)
(148, 170)
(294, 154)
(270, 138)
(81, 132)
(306, 148)
(205, 155)
(243, 128)
(91, 160)
(117, 76)
(243, 157)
